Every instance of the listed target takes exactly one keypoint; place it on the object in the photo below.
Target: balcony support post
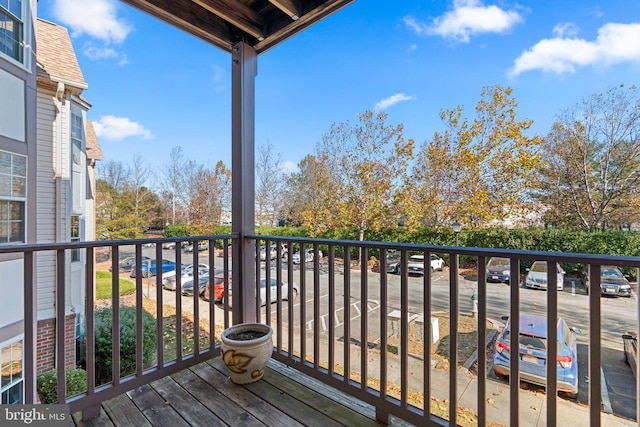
(243, 71)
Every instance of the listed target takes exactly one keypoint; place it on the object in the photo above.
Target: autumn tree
(593, 161)
(353, 176)
(270, 185)
(478, 170)
(211, 192)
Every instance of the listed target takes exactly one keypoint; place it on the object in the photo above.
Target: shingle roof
(55, 54)
(93, 146)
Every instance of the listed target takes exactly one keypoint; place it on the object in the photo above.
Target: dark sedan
(612, 283)
(127, 264)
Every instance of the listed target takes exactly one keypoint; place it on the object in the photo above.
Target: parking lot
(618, 316)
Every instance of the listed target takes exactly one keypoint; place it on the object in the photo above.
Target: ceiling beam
(237, 14)
(288, 7)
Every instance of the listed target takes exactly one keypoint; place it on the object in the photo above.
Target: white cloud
(392, 100)
(94, 52)
(615, 43)
(565, 29)
(118, 128)
(468, 17)
(290, 167)
(96, 18)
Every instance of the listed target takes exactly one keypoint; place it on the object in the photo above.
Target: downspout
(59, 101)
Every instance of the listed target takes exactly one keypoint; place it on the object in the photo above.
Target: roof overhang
(262, 24)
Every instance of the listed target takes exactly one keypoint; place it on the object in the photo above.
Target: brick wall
(46, 347)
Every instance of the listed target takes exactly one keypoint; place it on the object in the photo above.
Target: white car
(537, 277)
(416, 264)
(273, 292)
(169, 279)
(308, 256)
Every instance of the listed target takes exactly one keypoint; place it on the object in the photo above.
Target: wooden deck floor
(204, 396)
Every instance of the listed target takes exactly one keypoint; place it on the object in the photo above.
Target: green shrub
(104, 338)
(47, 384)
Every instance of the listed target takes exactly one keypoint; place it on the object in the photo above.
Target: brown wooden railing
(326, 332)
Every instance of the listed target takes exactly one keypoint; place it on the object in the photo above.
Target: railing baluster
(115, 323)
(346, 323)
(139, 333)
(159, 313)
(332, 310)
(196, 296)
(290, 300)
(30, 329)
(454, 308)
(179, 284)
(302, 296)
(514, 318)
(60, 325)
(552, 342)
(595, 346)
(316, 307)
(402, 339)
(212, 312)
(481, 345)
(364, 318)
(384, 333)
(428, 333)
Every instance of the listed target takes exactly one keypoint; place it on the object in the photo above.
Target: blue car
(150, 268)
(533, 353)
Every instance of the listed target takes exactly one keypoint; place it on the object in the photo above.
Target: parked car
(169, 245)
(202, 246)
(533, 353)
(221, 252)
(219, 287)
(612, 282)
(169, 279)
(127, 264)
(149, 267)
(537, 276)
(498, 270)
(415, 265)
(188, 286)
(272, 252)
(148, 245)
(308, 256)
(273, 292)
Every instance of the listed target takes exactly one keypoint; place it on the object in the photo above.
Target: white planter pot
(246, 357)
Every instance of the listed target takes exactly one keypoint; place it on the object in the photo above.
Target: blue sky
(154, 87)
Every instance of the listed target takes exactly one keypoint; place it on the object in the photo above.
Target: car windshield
(540, 267)
(499, 262)
(611, 272)
(529, 341)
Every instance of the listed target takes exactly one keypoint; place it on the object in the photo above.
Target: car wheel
(501, 376)
(569, 394)
(121, 270)
(295, 295)
(146, 274)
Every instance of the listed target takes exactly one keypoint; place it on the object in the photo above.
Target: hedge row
(535, 239)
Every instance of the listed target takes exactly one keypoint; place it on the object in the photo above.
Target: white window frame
(75, 237)
(18, 382)
(24, 43)
(11, 197)
(78, 161)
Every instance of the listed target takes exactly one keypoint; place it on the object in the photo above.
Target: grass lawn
(103, 286)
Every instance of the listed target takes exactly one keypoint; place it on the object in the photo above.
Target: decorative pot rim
(242, 327)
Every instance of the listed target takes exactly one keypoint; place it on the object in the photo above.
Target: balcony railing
(353, 325)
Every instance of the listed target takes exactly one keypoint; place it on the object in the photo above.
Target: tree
(171, 181)
(477, 170)
(353, 177)
(210, 196)
(593, 161)
(270, 185)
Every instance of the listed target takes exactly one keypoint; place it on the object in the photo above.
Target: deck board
(204, 395)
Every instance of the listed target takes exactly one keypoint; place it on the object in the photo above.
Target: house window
(75, 237)
(11, 29)
(11, 381)
(77, 162)
(13, 195)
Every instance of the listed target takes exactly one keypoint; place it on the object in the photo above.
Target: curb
(474, 356)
